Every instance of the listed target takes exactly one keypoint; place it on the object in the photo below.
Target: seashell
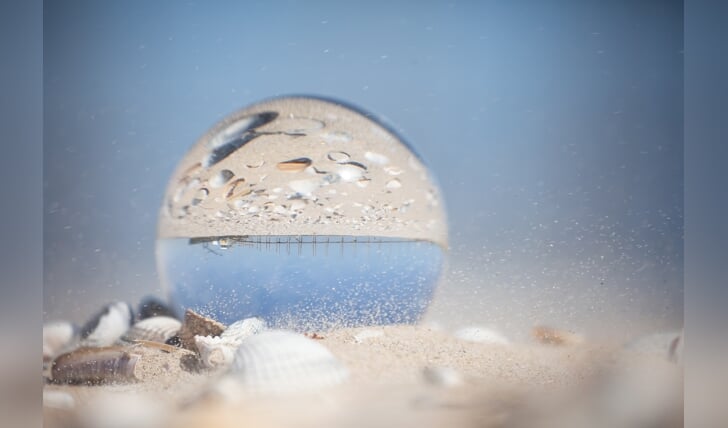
(58, 337)
(155, 329)
(551, 336)
(282, 362)
(294, 165)
(153, 307)
(217, 352)
(367, 334)
(247, 327)
(107, 326)
(442, 376)
(481, 335)
(196, 325)
(95, 365)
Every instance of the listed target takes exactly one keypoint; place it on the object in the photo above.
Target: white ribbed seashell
(58, 337)
(217, 352)
(481, 335)
(108, 325)
(154, 329)
(282, 362)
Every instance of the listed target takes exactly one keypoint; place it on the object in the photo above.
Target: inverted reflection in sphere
(306, 213)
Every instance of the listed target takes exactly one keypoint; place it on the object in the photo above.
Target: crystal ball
(306, 212)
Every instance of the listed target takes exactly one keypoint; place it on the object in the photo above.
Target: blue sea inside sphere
(302, 282)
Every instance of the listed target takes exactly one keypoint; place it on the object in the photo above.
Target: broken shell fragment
(294, 165)
(95, 365)
(108, 325)
(196, 325)
(552, 336)
(155, 329)
(282, 362)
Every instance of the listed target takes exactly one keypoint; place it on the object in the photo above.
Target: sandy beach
(399, 375)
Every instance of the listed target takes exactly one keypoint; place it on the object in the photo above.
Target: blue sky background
(555, 131)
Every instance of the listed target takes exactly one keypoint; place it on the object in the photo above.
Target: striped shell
(155, 329)
(108, 325)
(282, 362)
(217, 352)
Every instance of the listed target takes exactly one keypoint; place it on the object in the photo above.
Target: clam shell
(155, 329)
(107, 326)
(282, 362)
(95, 365)
(58, 337)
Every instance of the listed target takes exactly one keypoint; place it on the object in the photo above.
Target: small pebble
(367, 334)
(58, 400)
(481, 335)
(552, 336)
(442, 376)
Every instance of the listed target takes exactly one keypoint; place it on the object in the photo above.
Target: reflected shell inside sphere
(306, 213)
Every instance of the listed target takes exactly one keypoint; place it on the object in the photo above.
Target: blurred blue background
(555, 131)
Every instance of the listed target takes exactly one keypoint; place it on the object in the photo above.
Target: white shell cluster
(218, 351)
(279, 362)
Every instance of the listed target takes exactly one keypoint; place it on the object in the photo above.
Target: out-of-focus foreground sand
(408, 376)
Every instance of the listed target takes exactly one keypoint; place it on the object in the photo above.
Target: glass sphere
(305, 212)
